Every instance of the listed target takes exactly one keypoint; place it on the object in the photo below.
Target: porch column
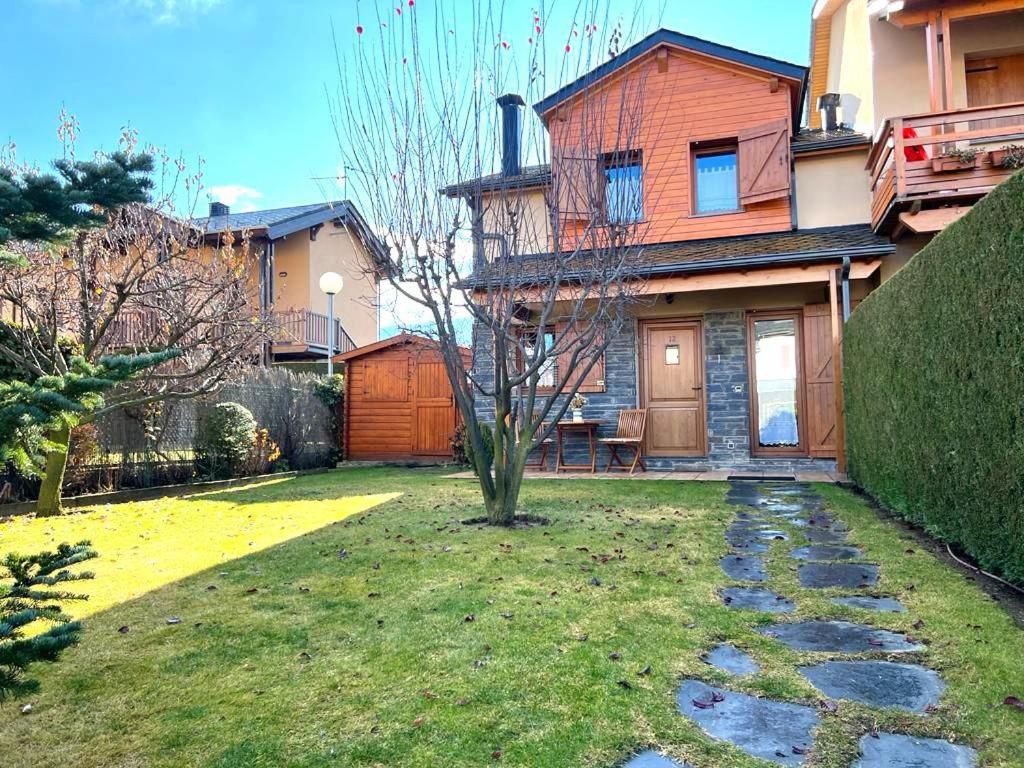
(837, 368)
(940, 62)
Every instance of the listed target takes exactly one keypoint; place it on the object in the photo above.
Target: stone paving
(783, 732)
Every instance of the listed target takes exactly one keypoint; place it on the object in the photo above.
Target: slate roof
(722, 253)
(529, 176)
(809, 140)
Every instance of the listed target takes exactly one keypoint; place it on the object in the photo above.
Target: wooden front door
(434, 411)
(821, 393)
(672, 387)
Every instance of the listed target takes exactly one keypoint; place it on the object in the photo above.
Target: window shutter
(764, 162)
(594, 379)
(576, 187)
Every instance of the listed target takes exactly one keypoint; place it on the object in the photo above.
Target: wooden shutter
(594, 380)
(821, 395)
(576, 185)
(764, 162)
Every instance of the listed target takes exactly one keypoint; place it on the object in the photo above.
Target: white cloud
(240, 198)
(171, 11)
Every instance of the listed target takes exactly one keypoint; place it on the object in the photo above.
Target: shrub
(330, 390)
(264, 455)
(934, 385)
(225, 441)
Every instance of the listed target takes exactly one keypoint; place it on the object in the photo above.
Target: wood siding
(821, 42)
(820, 399)
(694, 99)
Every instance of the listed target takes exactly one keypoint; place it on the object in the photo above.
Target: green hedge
(934, 386)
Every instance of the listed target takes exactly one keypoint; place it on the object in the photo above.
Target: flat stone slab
(824, 552)
(838, 637)
(843, 575)
(824, 535)
(651, 759)
(751, 599)
(869, 603)
(744, 568)
(879, 684)
(893, 750)
(731, 659)
(752, 546)
(771, 730)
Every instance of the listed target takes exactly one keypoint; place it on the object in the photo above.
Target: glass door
(776, 384)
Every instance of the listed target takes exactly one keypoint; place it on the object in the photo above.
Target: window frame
(700, 149)
(626, 158)
(532, 333)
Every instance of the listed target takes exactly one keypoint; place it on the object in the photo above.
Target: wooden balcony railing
(308, 328)
(898, 184)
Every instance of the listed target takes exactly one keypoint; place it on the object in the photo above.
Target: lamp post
(330, 283)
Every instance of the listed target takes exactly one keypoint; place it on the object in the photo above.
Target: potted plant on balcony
(1010, 156)
(957, 160)
(577, 403)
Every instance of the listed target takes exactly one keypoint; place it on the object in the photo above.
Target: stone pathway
(782, 732)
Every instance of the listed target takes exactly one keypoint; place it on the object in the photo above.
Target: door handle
(697, 387)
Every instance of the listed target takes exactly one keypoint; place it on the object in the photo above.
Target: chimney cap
(511, 98)
(829, 100)
(219, 209)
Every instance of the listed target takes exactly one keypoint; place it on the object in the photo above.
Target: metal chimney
(510, 104)
(828, 105)
(219, 209)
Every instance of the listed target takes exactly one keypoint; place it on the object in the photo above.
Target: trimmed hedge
(934, 386)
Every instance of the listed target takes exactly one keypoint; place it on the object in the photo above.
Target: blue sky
(241, 83)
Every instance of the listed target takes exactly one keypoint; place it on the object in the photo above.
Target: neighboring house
(755, 228)
(296, 246)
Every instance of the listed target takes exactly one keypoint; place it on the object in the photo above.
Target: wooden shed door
(673, 387)
(434, 410)
(821, 395)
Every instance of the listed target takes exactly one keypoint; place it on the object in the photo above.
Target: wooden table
(587, 426)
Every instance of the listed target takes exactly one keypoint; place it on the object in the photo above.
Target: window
(715, 187)
(546, 374)
(776, 383)
(623, 187)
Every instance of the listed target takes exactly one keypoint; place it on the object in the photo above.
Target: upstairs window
(715, 185)
(623, 187)
(532, 340)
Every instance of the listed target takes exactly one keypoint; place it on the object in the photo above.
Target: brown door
(821, 395)
(995, 80)
(434, 411)
(672, 387)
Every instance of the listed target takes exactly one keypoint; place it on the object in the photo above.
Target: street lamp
(330, 283)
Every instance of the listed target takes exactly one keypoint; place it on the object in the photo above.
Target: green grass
(311, 670)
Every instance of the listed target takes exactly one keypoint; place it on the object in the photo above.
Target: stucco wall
(291, 272)
(832, 190)
(849, 72)
(534, 229)
(337, 250)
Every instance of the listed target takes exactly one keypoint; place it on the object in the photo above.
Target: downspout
(844, 277)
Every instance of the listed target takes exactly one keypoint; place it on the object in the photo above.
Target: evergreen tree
(33, 597)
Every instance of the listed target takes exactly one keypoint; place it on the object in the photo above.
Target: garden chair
(630, 434)
(542, 461)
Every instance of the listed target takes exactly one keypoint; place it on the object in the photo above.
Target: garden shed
(398, 401)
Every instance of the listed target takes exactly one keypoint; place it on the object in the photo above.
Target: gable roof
(393, 341)
(783, 69)
(529, 176)
(280, 222)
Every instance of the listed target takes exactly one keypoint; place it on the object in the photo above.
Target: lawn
(349, 619)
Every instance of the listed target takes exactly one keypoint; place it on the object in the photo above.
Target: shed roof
(393, 341)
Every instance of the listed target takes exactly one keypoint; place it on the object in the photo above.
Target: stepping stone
(879, 684)
(838, 637)
(744, 568)
(893, 750)
(771, 730)
(869, 603)
(845, 575)
(750, 599)
(825, 535)
(651, 759)
(821, 552)
(731, 659)
(749, 546)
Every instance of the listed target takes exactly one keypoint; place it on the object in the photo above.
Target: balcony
(300, 331)
(964, 162)
(296, 333)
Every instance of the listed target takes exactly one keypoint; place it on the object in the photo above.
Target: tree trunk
(53, 479)
(501, 509)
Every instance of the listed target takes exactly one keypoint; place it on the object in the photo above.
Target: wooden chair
(545, 447)
(630, 434)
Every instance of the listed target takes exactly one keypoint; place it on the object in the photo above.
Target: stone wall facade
(726, 389)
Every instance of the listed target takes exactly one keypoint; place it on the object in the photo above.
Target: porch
(302, 333)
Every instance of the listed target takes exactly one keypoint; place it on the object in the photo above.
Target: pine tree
(32, 598)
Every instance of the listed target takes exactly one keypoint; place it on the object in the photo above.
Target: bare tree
(145, 282)
(550, 281)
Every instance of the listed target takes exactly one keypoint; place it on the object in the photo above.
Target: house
(759, 232)
(296, 246)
